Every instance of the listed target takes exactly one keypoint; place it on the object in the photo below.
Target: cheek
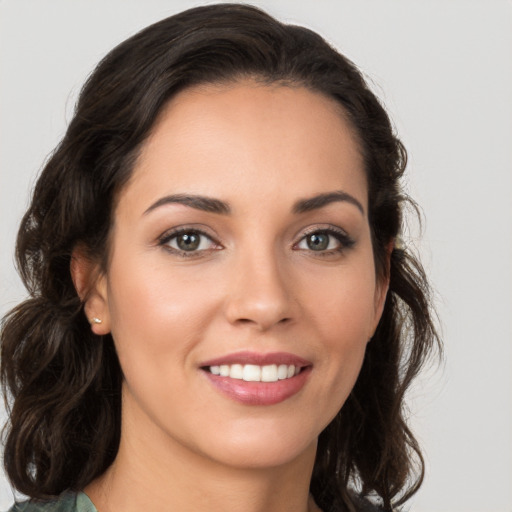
(345, 334)
(156, 312)
(342, 303)
(158, 317)
(342, 313)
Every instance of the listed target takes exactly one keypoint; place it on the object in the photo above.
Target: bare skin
(283, 266)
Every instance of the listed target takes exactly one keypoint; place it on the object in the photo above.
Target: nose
(259, 293)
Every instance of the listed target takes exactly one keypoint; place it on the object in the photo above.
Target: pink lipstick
(258, 379)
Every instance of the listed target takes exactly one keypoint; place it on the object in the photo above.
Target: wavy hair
(62, 383)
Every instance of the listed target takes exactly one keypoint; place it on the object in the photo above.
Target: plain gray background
(444, 70)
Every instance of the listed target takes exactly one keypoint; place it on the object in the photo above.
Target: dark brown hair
(63, 383)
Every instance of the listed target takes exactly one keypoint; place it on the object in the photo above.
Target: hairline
(130, 160)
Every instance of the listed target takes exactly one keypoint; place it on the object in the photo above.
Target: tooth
(282, 371)
(255, 373)
(252, 373)
(237, 371)
(269, 373)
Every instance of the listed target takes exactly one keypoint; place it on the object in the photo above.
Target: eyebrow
(212, 205)
(206, 204)
(321, 200)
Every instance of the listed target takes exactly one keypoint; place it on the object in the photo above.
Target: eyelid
(345, 240)
(164, 239)
(323, 228)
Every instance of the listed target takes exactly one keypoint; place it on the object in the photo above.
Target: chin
(273, 455)
(259, 446)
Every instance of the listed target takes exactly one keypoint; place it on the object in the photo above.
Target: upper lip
(248, 357)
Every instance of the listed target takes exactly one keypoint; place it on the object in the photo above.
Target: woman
(219, 316)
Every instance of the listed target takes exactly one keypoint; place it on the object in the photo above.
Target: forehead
(220, 139)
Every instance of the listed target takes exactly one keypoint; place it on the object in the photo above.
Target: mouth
(255, 373)
(258, 379)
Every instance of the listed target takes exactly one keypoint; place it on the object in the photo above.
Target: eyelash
(175, 233)
(344, 240)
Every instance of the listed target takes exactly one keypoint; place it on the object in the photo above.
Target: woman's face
(241, 288)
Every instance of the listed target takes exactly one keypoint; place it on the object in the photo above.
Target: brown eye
(188, 241)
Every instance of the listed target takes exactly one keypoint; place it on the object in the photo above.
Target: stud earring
(95, 320)
(399, 243)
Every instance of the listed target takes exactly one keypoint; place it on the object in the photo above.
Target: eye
(188, 241)
(325, 240)
(320, 242)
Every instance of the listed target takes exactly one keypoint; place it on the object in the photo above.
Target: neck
(154, 472)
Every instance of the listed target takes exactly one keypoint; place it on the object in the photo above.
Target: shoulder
(66, 502)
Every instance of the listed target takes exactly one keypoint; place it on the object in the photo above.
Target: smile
(258, 379)
(255, 373)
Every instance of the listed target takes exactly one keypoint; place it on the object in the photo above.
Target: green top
(66, 502)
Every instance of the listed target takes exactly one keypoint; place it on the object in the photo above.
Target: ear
(381, 288)
(91, 286)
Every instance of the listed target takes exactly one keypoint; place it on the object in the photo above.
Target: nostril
(261, 324)
(253, 307)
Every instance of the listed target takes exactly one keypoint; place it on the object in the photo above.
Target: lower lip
(259, 393)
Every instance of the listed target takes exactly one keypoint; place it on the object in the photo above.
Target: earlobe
(91, 287)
